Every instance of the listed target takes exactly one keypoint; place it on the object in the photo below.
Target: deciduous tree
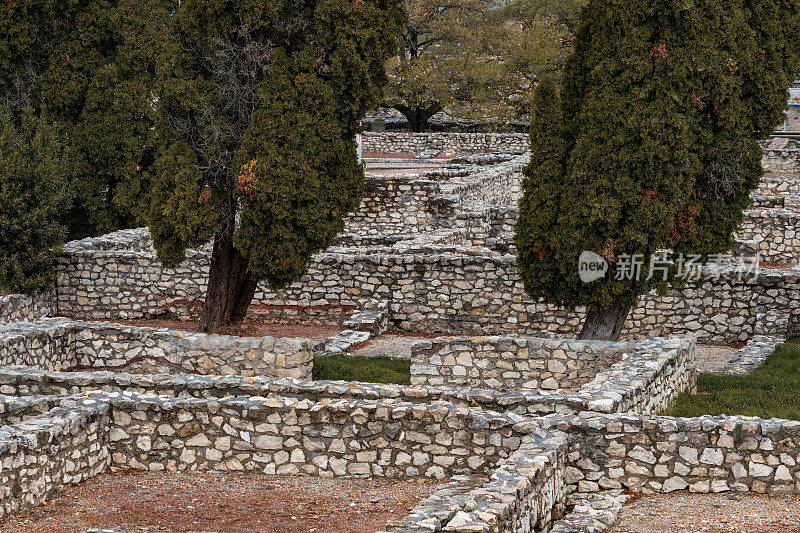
(476, 58)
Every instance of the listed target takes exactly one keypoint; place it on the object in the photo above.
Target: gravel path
(711, 513)
(224, 503)
(395, 345)
(713, 358)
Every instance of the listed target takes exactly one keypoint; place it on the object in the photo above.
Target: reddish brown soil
(682, 512)
(223, 503)
(775, 266)
(248, 329)
(386, 155)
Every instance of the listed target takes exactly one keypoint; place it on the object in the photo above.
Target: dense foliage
(476, 58)
(87, 67)
(33, 195)
(662, 108)
(258, 107)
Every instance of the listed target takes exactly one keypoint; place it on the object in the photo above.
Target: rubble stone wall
(43, 455)
(448, 143)
(511, 362)
(775, 234)
(15, 307)
(456, 290)
(384, 438)
(62, 345)
(499, 185)
(525, 493)
(665, 454)
(781, 160)
(644, 381)
(392, 204)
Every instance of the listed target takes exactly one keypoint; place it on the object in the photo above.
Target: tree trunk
(418, 116)
(230, 287)
(606, 324)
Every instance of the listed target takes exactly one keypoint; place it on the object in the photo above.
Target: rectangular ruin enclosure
(509, 363)
(485, 453)
(67, 345)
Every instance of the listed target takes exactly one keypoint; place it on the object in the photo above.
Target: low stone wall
(63, 344)
(15, 409)
(448, 143)
(781, 160)
(15, 307)
(775, 234)
(41, 456)
(383, 438)
(392, 204)
(525, 493)
(645, 381)
(432, 289)
(499, 185)
(664, 454)
(509, 363)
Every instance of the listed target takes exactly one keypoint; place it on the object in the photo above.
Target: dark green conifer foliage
(87, 66)
(33, 195)
(258, 107)
(663, 106)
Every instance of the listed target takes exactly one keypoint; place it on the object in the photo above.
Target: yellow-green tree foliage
(476, 58)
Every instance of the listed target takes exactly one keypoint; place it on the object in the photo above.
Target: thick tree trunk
(230, 287)
(418, 116)
(606, 324)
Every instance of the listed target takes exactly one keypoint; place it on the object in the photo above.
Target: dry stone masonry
(63, 344)
(528, 434)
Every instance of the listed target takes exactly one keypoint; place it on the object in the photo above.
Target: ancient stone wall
(66, 345)
(392, 204)
(455, 290)
(644, 381)
(288, 436)
(448, 143)
(664, 454)
(508, 363)
(15, 307)
(499, 185)
(525, 493)
(773, 233)
(43, 455)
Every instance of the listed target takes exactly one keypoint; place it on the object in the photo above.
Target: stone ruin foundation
(526, 430)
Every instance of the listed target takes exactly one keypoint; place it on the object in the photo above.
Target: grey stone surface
(452, 143)
(64, 344)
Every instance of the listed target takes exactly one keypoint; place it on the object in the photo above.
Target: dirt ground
(249, 329)
(223, 503)
(710, 513)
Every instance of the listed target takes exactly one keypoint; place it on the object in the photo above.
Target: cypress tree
(258, 107)
(87, 67)
(33, 195)
(662, 108)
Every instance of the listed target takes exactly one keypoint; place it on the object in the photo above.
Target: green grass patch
(365, 369)
(771, 391)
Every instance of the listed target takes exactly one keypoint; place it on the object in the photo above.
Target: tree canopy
(652, 144)
(33, 196)
(258, 108)
(87, 68)
(476, 58)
